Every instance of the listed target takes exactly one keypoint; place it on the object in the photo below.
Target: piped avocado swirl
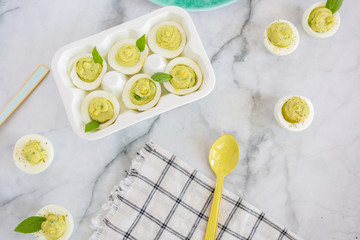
(54, 226)
(183, 77)
(321, 19)
(88, 70)
(280, 34)
(128, 55)
(168, 37)
(33, 153)
(101, 109)
(142, 91)
(295, 110)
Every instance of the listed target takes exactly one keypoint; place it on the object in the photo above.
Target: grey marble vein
(240, 56)
(2, 14)
(9, 201)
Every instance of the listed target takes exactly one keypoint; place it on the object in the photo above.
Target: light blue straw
(26, 89)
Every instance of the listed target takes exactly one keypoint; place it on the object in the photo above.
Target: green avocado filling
(321, 19)
(88, 70)
(54, 226)
(168, 37)
(128, 55)
(182, 77)
(33, 153)
(142, 92)
(295, 110)
(101, 109)
(280, 34)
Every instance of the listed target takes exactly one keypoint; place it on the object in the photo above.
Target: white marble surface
(308, 181)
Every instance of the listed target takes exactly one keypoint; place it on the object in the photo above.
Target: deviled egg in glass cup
(125, 56)
(281, 37)
(141, 92)
(33, 153)
(101, 107)
(186, 76)
(319, 21)
(294, 113)
(85, 73)
(167, 39)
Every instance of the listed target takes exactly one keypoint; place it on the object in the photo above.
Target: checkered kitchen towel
(164, 198)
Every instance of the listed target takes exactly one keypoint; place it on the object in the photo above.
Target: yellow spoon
(223, 157)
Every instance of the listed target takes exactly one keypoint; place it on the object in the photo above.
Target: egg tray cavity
(73, 96)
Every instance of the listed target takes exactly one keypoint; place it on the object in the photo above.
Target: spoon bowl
(224, 155)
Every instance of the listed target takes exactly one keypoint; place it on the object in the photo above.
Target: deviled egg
(167, 39)
(52, 222)
(85, 73)
(319, 21)
(186, 76)
(281, 37)
(294, 113)
(33, 153)
(141, 92)
(59, 223)
(125, 57)
(100, 106)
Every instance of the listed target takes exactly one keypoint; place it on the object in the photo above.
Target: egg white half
(188, 62)
(162, 51)
(126, 93)
(295, 127)
(75, 78)
(57, 210)
(123, 69)
(23, 164)
(281, 51)
(311, 32)
(84, 108)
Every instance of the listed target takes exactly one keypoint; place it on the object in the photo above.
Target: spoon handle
(215, 208)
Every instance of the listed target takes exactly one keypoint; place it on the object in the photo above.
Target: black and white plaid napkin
(164, 198)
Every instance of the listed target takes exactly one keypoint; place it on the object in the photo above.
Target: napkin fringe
(109, 208)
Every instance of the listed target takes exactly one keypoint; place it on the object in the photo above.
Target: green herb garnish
(30, 225)
(91, 126)
(137, 97)
(140, 43)
(96, 56)
(333, 5)
(161, 77)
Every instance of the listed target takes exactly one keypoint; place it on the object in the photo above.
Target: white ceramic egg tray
(73, 96)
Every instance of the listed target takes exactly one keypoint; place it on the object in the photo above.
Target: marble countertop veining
(308, 181)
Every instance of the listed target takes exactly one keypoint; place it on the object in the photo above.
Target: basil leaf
(30, 225)
(161, 77)
(333, 5)
(91, 126)
(96, 56)
(140, 43)
(137, 97)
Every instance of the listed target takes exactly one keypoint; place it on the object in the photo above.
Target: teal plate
(195, 5)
